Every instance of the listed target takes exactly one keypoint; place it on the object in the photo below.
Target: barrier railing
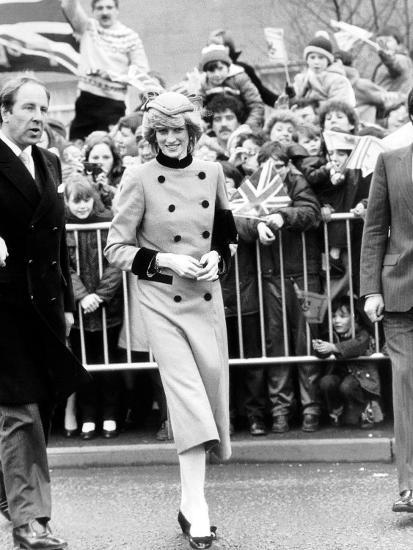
(240, 361)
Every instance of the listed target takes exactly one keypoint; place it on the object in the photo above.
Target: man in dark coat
(36, 304)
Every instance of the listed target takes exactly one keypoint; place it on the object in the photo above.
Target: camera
(92, 169)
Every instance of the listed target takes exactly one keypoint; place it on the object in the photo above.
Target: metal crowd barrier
(263, 359)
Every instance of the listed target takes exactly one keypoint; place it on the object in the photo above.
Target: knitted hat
(214, 52)
(321, 45)
(171, 103)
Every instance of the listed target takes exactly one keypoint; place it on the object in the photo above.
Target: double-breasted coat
(162, 208)
(35, 285)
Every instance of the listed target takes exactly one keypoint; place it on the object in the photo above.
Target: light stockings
(193, 503)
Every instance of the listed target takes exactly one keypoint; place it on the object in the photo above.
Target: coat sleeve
(354, 347)
(109, 283)
(122, 248)
(252, 100)
(376, 231)
(341, 90)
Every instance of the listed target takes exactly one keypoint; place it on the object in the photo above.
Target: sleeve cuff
(142, 261)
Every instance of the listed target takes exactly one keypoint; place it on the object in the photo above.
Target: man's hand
(90, 303)
(69, 320)
(3, 252)
(359, 210)
(374, 307)
(265, 235)
(209, 271)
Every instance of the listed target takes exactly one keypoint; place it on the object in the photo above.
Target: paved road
(257, 507)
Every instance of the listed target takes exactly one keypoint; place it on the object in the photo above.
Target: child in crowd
(282, 127)
(97, 290)
(245, 153)
(323, 79)
(222, 76)
(351, 391)
(310, 138)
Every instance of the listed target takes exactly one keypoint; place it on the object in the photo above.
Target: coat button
(32, 228)
(54, 263)
(30, 261)
(177, 298)
(31, 297)
(55, 228)
(206, 234)
(207, 296)
(205, 204)
(201, 175)
(161, 179)
(171, 207)
(52, 300)
(177, 238)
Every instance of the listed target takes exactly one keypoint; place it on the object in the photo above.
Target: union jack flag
(262, 194)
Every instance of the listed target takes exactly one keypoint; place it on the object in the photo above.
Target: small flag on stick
(348, 35)
(262, 194)
(364, 155)
(336, 141)
(312, 304)
(277, 52)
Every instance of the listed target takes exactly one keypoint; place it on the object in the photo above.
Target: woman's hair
(340, 106)
(258, 138)
(78, 187)
(154, 120)
(93, 140)
(231, 171)
(273, 149)
(309, 131)
(281, 115)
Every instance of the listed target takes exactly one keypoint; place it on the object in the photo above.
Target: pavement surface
(256, 507)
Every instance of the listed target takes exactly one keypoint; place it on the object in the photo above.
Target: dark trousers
(99, 398)
(398, 330)
(280, 377)
(24, 468)
(337, 391)
(247, 384)
(93, 112)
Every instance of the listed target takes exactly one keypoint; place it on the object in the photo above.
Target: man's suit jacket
(387, 247)
(35, 284)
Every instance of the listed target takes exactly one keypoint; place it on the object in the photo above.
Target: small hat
(320, 44)
(171, 103)
(214, 52)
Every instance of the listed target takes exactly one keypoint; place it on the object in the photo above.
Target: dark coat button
(177, 298)
(161, 179)
(207, 296)
(177, 238)
(54, 263)
(201, 175)
(32, 228)
(55, 228)
(30, 261)
(171, 207)
(206, 234)
(205, 204)
(52, 300)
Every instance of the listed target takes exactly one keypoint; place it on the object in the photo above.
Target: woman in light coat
(172, 229)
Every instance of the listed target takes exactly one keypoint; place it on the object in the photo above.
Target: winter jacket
(331, 84)
(238, 84)
(107, 287)
(303, 215)
(394, 72)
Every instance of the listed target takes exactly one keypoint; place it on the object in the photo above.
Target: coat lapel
(12, 169)
(405, 176)
(45, 173)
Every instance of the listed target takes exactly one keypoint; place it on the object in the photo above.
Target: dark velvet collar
(173, 163)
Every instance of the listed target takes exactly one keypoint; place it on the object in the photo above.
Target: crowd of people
(245, 124)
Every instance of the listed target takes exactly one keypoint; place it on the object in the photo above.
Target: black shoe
(257, 426)
(88, 435)
(404, 503)
(4, 510)
(280, 424)
(186, 526)
(200, 543)
(70, 433)
(35, 536)
(310, 423)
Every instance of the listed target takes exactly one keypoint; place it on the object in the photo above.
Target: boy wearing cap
(222, 76)
(323, 79)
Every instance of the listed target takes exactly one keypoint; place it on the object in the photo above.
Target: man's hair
(342, 107)
(220, 102)
(11, 87)
(309, 131)
(273, 149)
(94, 2)
(132, 121)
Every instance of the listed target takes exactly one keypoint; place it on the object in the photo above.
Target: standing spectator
(303, 214)
(323, 79)
(36, 312)
(96, 293)
(108, 49)
(221, 76)
(395, 70)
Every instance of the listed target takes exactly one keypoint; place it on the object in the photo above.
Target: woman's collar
(172, 162)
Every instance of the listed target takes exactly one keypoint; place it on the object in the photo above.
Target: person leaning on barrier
(386, 284)
(36, 305)
(302, 215)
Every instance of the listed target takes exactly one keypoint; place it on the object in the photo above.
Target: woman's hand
(3, 252)
(90, 303)
(265, 235)
(183, 265)
(210, 267)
